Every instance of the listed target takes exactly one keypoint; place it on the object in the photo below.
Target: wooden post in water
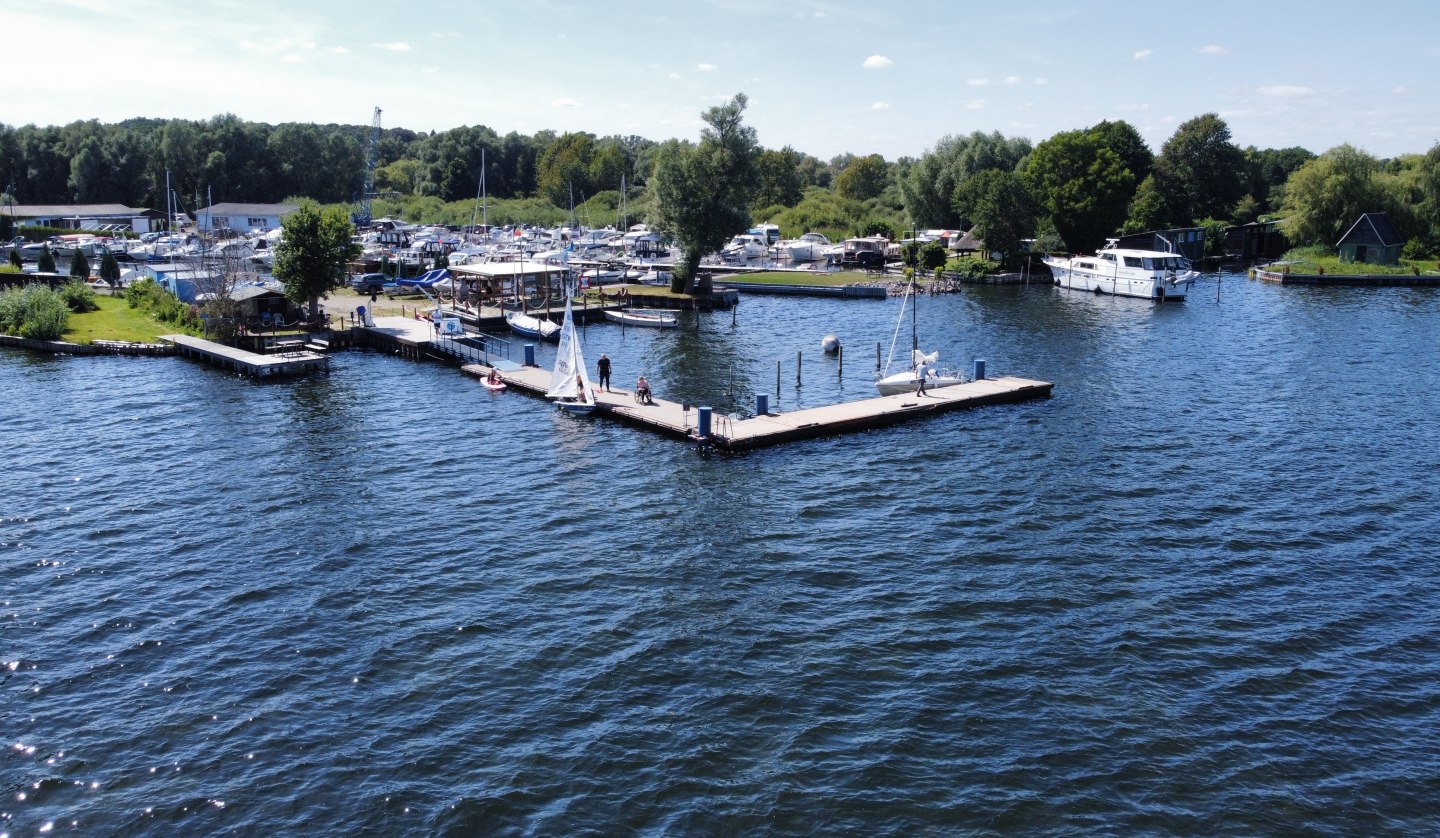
(840, 356)
(797, 370)
(777, 382)
(877, 356)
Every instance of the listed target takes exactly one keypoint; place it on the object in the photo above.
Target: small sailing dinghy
(567, 380)
(922, 365)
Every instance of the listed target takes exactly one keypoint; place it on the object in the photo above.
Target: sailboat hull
(905, 382)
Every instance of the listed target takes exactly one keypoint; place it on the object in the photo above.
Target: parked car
(372, 283)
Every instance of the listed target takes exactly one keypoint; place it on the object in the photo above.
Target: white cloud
(1012, 79)
(1285, 90)
(565, 102)
(880, 106)
(292, 58)
(705, 68)
(977, 82)
(976, 105)
(1400, 90)
(673, 76)
(875, 62)
(1142, 54)
(394, 46)
(1041, 80)
(340, 50)
(1213, 49)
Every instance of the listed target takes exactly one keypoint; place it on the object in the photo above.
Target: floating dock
(682, 421)
(293, 361)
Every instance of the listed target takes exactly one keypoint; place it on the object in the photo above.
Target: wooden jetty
(1428, 278)
(682, 421)
(291, 359)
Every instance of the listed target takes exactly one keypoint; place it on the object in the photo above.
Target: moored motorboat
(530, 326)
(635, 317)
(1149, 274)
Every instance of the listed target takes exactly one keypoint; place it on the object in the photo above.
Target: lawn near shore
(115, 320)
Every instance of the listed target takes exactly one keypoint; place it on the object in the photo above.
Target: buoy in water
(830, 344)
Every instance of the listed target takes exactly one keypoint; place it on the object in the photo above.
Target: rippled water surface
(1194, 592)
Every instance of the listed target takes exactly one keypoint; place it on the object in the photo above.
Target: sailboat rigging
(922, 365)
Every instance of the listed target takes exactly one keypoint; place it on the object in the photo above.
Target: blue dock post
(702, 422)
(979, 369)
(529, 354)
(762, 404)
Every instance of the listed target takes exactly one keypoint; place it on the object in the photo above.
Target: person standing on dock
(603, 367)
(921, 370)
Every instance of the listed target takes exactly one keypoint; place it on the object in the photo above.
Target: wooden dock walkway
(246, 362)
(679, 421)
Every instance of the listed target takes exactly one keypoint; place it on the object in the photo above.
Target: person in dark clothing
(603, 367)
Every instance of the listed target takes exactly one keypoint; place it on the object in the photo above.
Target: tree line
(1070, 191)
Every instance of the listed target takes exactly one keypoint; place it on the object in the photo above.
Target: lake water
(1194, 592)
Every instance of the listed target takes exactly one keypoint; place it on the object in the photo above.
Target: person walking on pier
(603, 367)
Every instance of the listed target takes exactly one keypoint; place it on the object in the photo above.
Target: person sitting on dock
(642, 391)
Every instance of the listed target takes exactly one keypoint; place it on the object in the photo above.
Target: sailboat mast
(914, 326)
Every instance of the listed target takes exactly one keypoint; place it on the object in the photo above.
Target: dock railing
(466, 350)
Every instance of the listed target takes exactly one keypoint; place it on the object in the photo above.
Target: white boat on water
(531, 326)
(745, 246)
(567, 380)
(1149, 274)
(635, 317)
(811, 247)
(922, 365)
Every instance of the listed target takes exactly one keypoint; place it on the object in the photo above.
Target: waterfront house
(1373, 239)
(241, 218)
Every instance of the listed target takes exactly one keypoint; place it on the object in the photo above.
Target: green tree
(15, 258)
(1326, 195)
(933, 255)
(1002, 208)
(565, 165)
(703, 192)
(1199, 171)
(311, 257)
(80, 266)
(1147, 208)
(110, 268)
(1083, 185)
(928, 188)
(779, 176)
(864, 179)
(1122, 138)
(45, 264)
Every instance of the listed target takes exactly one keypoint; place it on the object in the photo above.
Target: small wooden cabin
(1373, 240)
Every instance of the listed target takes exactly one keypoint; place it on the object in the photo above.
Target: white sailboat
(567, 380)
(922, 365)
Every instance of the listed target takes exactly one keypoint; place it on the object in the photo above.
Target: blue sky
(822, 77)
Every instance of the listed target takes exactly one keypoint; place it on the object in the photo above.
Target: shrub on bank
(147, 296)
(34, 312)
(78, 296)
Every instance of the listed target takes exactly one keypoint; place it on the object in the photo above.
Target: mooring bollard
(762, 404)
(702, 422)
(979, 369)
(529, 354)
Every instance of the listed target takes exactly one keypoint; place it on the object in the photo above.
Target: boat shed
(82, 216)
(1186, 241)
(1373, 239)
(1256, 240)
(509, 279)
(242, 218)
